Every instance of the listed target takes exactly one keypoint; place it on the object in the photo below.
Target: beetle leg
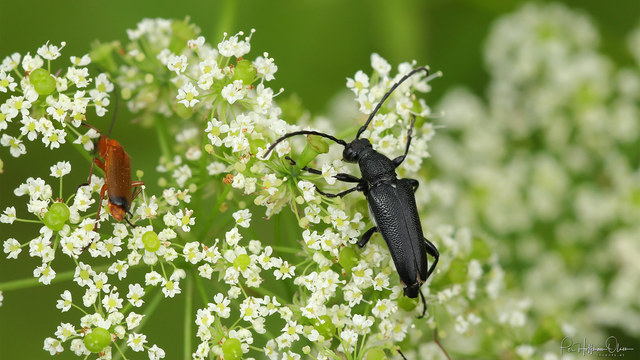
(340, 176)
(100, 165)
(397, 161)
(424, 305)
(102, 191)
(360, 187)
(433, 251)
(129, 222)
(366, 237)
(347, 178)
(401, 354)
(414, 183)
(136, 192)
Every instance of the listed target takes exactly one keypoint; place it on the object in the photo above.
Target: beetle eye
(349, 154)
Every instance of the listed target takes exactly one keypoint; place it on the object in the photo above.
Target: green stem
(120, 352)
(188, 310)
(214, 212)
(29, 221)
(33, 282)
(202, 290)
(163, 137)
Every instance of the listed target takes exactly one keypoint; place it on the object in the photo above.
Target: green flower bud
(231, 349)
(42, 81)
(97, 340)
(57, 216)
(242, 262)
(151, 241)
(244, 71)
(348, 258)
(326, 328)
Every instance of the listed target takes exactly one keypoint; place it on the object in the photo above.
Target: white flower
(187, 95)
(221, 306)
(79, 76)
(8, 216)
(232, 237)
(16, 147)
(170, 288)
(380, 65)
(328, 173)
(80, 61)
(156, 353)
(133, 320)
(283, 269)
(195, 44)
(234, 47)
(50, 52)
(60, 169)
(177, 63)
(243, 217)
(185, 219)
(359, 84)
(136, 341)
(265, 67)
(234, 91)
(112, 302)
(53, 346)
(65, 303)
(6, 82)
(136, 292)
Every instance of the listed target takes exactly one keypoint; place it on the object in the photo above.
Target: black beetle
(392, 203)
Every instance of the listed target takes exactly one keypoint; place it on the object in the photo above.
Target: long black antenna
(115, 109)
(113, 119)
(303, 132)
(93, 127)
(375, 110)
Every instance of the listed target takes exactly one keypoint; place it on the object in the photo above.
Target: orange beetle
(117, 180)
(117, 176)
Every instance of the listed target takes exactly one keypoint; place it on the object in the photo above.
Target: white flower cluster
(44, 103)
(549, 160)
(311, 293)
(396, 112)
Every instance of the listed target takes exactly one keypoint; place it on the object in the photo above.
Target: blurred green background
(316, 45)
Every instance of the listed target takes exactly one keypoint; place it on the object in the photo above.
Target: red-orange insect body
(117, 180)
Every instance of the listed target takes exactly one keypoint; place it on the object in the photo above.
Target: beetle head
(412, 291)
(355, 149)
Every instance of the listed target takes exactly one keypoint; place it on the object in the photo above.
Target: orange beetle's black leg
(136, 192)
(100, 165)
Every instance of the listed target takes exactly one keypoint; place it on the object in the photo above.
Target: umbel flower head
(47, 103)
(310, 292)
